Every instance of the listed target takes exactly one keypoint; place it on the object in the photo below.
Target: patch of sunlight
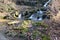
(26, 23)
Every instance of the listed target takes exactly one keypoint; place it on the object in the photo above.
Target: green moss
(24, 30)
(36, 24)
(35, 34)
(45, 25)
(40, 24)
(45, 37)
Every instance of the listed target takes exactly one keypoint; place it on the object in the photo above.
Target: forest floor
(53, 28)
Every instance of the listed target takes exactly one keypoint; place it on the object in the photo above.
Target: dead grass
(3, 14)
(57, 17)
(4, 20)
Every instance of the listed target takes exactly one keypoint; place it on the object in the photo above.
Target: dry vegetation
(16, 29)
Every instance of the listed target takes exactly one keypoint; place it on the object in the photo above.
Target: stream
(37, 16)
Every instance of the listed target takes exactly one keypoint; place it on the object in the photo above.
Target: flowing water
(38, 15)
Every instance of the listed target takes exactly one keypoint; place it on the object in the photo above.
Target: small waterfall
(19, 16)
(45, 5)
(39, 13)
